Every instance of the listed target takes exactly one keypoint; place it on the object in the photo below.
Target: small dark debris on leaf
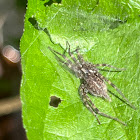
(116, 23)
(34, 22)
(55, 101)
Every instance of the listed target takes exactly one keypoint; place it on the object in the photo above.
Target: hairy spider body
(92, 81)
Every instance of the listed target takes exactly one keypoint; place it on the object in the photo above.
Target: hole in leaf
(55, 101)
(50, 2)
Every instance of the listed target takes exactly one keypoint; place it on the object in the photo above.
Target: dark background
(11, 28)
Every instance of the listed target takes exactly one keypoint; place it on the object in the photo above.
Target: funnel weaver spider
(92, 81)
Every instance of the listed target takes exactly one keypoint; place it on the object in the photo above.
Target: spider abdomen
(97, 87)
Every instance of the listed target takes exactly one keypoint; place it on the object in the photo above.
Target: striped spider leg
(91, 107)
(92, 82)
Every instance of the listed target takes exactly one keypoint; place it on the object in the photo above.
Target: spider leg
(71, 54)
(118, 97)
(68, 63)
(93, 109)
(109, 70)
(118, 90)
(103, 114)
(110, 66)
(79, 56)
(68, 46)
(110, 117)
(86, 103)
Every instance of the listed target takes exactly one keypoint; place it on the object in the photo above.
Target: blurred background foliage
(11, 28)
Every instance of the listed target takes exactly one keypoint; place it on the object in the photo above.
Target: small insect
(92, 82)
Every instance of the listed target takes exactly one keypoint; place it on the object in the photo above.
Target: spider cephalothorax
(92, 81)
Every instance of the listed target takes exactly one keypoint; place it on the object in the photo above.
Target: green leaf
(107, 32)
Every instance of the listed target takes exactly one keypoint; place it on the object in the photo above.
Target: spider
(92, 82)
